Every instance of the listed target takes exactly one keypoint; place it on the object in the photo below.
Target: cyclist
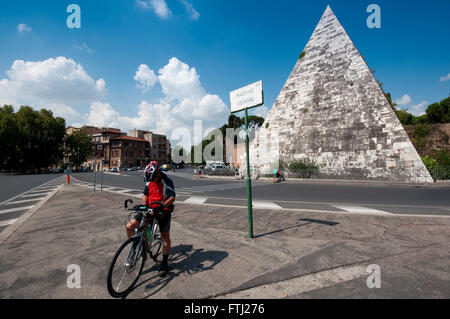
(158, 188)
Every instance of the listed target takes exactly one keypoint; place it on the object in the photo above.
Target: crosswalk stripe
(33, 195)
(7, 222)
(45, 191)
(264, 204)
(48, 187)
(195, 200)
(17, 209)
(25, 201)
(127, 190)
(361, 210)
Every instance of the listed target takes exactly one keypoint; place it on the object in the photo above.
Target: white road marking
(17, 209)
(7, 222)
(303, 284)
(25, 201)
(20, 195)
(264, 204)
(361, 210)
(195, 200)
(126, 190)
(52, 187)
(33, 195)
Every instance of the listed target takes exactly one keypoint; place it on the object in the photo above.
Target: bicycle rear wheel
(126, 267)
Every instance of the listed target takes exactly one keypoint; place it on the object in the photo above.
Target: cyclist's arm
(144, 200)
(169, 201)
(145, 195)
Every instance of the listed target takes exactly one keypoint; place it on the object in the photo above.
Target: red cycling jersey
(155, 193)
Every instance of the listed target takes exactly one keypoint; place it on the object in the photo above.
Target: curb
(8, 232)
(337, 181)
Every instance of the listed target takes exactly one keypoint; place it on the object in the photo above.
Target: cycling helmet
(150, 170)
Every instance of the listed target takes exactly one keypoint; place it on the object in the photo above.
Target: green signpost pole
(241, 100)
(249, 181)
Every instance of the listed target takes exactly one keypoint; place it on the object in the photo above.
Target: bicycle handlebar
(141, 208)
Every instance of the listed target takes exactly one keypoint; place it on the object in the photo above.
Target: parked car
(218, 168)
(113, 170)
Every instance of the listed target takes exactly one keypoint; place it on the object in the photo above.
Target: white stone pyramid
(333, 111)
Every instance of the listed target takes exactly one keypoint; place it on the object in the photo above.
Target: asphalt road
(383, 199)
(293, 255)
(13, 185)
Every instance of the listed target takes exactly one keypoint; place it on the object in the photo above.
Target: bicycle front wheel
(126, 267)
(155, 245)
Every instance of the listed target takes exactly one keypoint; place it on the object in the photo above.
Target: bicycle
(130, 258)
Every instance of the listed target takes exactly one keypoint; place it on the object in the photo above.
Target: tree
(78, 147)
(30, 140)
(404, 116)
(9, 137)
(234, 121)
(435, 113)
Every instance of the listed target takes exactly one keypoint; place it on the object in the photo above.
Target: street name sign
(247, 97)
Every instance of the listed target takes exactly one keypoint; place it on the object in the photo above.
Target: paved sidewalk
(294, 255)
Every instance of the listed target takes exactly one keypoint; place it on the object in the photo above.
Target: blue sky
(218, 46)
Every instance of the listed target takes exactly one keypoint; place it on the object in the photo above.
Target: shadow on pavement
(183, 259)
(308, 222)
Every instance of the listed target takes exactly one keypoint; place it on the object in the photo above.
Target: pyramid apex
(328, 10)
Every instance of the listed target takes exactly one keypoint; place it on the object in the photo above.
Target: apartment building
(159, 145)
(115, 149)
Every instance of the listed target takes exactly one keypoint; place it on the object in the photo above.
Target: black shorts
(163, 220)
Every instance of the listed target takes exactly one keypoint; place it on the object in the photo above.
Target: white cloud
(260, 111)
(403, 101)
(184, 101)
(193, 14)
(444, 78)
(145, 77)
(55, 83)
(83, 47)
(179, 81)
(418, 109)
(158, 6)
(21, 27)
(102, 115)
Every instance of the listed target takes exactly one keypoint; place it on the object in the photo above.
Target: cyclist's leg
(164, 226)
(134, 223)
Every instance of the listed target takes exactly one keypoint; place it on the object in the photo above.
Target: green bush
(422, 131)
(303, 168)
(443, 158)
(423, 119)
(430, 162)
